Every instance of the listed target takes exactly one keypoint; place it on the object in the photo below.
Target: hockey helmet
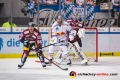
(59, 17)
(31, 24)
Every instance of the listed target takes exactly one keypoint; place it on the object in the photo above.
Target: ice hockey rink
(34, 71)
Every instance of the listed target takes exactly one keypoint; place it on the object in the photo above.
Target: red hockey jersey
(75, 25)
(34, 37)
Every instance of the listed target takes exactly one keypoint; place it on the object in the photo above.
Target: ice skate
(49, 63)
(84, 62)
(43, 65)
(69, 62)
(20, 65)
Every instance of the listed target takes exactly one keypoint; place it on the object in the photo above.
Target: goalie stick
(51, 61)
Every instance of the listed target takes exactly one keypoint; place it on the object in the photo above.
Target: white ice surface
(34, 71)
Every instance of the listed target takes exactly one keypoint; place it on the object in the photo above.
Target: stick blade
(65, 69)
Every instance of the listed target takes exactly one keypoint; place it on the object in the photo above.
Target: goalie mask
(75, 16)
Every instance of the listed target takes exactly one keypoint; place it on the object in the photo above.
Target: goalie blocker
(75, 48)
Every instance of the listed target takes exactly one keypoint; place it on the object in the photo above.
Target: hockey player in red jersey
(76, 25)
(77, 42)
(31, 37)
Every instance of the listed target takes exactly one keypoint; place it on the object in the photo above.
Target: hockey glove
(26, 44)
(39, 51)
(54, 40)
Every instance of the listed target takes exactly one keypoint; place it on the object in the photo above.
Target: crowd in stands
(69, 2)
(53, 2)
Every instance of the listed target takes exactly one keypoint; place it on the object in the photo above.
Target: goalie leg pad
(80, 53)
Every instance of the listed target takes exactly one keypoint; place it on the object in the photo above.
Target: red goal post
(91, 35)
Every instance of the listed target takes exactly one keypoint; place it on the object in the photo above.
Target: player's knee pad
(51, 49)
(64, 49)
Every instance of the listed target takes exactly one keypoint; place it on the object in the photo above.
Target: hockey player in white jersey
(76, 44)
(59, 35)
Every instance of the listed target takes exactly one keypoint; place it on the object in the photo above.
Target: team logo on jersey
(1, 43)
(72, 74)
(60, 34)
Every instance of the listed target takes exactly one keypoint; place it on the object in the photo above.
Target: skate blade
(19, 67)
(44, 68)
(69, 65)
(85, 64)
(48, 64)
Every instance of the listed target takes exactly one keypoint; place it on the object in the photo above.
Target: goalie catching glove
(81, 33)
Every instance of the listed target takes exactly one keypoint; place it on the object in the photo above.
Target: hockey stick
(52, 44)
(47, 46)
(52, 61)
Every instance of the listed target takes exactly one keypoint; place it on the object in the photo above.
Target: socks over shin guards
(50, 55)
(24, 56)
(41, 58)
(66, 56)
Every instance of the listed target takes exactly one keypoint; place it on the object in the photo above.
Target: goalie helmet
(75, 16)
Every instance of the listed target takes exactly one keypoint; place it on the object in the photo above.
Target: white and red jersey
(34, 37)
(75, 25)
(61, 31)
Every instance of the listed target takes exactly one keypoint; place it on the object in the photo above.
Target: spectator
(80, 2)
(68, 1)
(119, 20)
(8, 23)
(51, 2)
(115, 3)
(92, 2)
(43, 2)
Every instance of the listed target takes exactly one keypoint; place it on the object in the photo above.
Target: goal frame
(96, 44)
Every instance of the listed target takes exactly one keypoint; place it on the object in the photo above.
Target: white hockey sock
(50, 55)
(66, 56)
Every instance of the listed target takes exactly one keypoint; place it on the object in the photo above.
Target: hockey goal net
(89, 45)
